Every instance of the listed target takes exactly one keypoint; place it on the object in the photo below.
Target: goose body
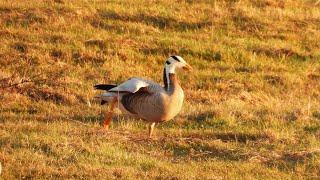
(145, 99)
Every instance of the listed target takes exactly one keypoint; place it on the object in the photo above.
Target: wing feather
(134, 84)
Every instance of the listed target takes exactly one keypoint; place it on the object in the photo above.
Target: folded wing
(133, 85)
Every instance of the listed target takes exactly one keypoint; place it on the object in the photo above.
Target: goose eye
(167, 62)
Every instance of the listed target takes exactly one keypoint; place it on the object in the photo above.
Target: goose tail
(104, 86)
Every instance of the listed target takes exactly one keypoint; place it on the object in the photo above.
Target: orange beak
(187, 67)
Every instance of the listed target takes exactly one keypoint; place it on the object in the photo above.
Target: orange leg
(108, 118)
(151, 129)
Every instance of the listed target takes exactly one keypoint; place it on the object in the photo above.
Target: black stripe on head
(168, 62)
(175, 58)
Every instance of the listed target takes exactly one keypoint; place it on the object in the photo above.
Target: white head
(174, 62)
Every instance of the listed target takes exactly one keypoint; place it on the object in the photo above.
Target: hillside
(252, 108)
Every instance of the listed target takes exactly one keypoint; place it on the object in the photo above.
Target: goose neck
(170, 80)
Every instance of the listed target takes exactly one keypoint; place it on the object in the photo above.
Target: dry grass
(252, 105)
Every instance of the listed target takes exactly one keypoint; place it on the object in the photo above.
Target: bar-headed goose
(146, 99)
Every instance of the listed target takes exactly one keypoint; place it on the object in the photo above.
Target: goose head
(176, 62)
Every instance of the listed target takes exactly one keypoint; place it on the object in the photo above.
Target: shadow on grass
(240, 137)
(160, 22)
(200, 146)
(207, 55)
(200, 151)
(87, 118)
(185, 149)
(289, 161)
(202, 116)
(281, 53)
(99, 118)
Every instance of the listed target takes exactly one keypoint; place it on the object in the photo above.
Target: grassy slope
(252, 105)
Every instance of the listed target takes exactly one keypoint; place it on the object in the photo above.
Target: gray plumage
(153, 103)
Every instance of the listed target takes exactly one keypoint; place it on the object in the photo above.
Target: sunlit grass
(252, 103)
